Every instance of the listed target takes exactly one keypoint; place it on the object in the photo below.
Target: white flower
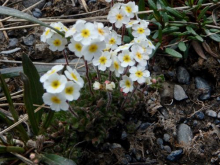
(47, 34)
(85, 33)
(94, 49)
(113, 39)
(139, 74)
(103, 61)
(110, 86)
(55, 83)
(59, 26)
(141, 30)
(96, 85)
(72, 30)
(116, 66)
(72, 74)
(71, 91)
(53, 70)
(126, 84)
(148, 81)
(57, 101)
(101, 31)
(130, 8)
(76, 47)
(118, 17)
(56, 42)
(108, 0)
(139, 56)
(131, 23)
(126, 58)
(124, 47)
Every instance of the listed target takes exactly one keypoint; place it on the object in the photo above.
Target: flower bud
(109, 86)
(32, 156)
(153, 80)
(96, 85)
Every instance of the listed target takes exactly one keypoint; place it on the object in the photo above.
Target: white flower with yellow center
(55, 83)
(47, 34)
(126, 58)
(72, 74)
(113, 39)
(56, 42)
(72, 30)
(139, 74)
(110, 86)
(116, 66)
(59, 26)
(147, 46)
(118, 17)
(131, 23)
(94, 49)
(101, 31)
(123, 47)
(126, 84)
(85, 33)
(141, 30)
(130, 9)
(103, 61)
(71, 91)
(96, 85)
(148, 81)
(56, 101)
(76, 47)
(139, 55)
(53, 70)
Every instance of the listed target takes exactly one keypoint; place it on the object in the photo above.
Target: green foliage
(141, 7)
(52, 159)
(173, 53)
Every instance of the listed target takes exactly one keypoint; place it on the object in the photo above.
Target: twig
(17, 104)
(84, 5)
(13, 94)
(88, 79)
(13, 97)
(5, 2)
(1, 24)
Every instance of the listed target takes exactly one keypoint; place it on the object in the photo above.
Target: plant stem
(87, 76)
(122, 34)
(110, 76)
(65, 56)
(109, 100)
(72, 111)
(98, 74)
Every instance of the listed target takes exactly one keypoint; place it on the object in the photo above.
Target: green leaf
(47, 121)
(202, 14)
(170, 29)
(36, 89)
(213, 36)
(189, 29)
(52, 159)
(141, 7)
(152, 4)
(199, 38)
(182, 46)
(173, 53)
(174, 12)
(16, 13)
(126, 39)
(28, 101)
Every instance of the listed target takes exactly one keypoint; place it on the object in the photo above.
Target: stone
(2, 37)
(195, 122)
(29, 40)
(217, 121)
(37, 13)
(179, 93)
(160, 142)
(144, 126)
(182, 75)
(218, 98)
(203, 85)
(28, 3)
(124, 135)
(115, 145)
(199, 115)
(13, 42)
(167, 148)
(164, 112)
(211, 113)
(175, 155)
(218, 115)
(166, 137)
(184, 133)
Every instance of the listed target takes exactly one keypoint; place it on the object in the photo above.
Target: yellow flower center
(78, 47)
(57, 42)
(140, 30)
(139, 56)
(127, 84)
(102, 60)
(116, 65)
(119, 17)
(128, 9)
(85, 33)
(139, 73)
(93, 48)
(69, 90)
(55, 84)
(126, 58)
(101, 31)
(55, 100)
(57, 27)
(74, 76)
(47, 32)
(112, 41)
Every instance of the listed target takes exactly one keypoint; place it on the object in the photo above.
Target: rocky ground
(177, 123)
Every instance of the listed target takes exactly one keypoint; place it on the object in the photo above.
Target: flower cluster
(61, 88)
(107, 86)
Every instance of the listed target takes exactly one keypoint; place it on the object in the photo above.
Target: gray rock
(211, 113)
(115, 145)
(2, 37)
(167, 148)
(183, 75)
(159, 141)
(217, 121)
(13, 42)
(218, 115)
(166, 137)
(199, 115)
(218, 98)
(184, 134)
(179, 93)
(144, 126)
(29, 40)
(124, 135)
(37, 13)
(195, 122)
(203, 86)
(164, 112)
(28, 3)
(175, 155)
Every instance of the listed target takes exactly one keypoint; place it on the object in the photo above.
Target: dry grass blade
(209, 50)
(197, 47)
(85, 5)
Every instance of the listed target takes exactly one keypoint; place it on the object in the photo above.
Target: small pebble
(13, 42)
(195, 122)
(124, 135)
(204, 86)
(167, 148)
(144, 126)
(175, 155)
(179, 93)
(184, 134)
(166, 137)
(183, 75)
(37, 13)
(159, 141)
(211, 113)
(217, 121)
(218, 98)
(29, 40)
(115, 145)
(199, 115)
(219, 115)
